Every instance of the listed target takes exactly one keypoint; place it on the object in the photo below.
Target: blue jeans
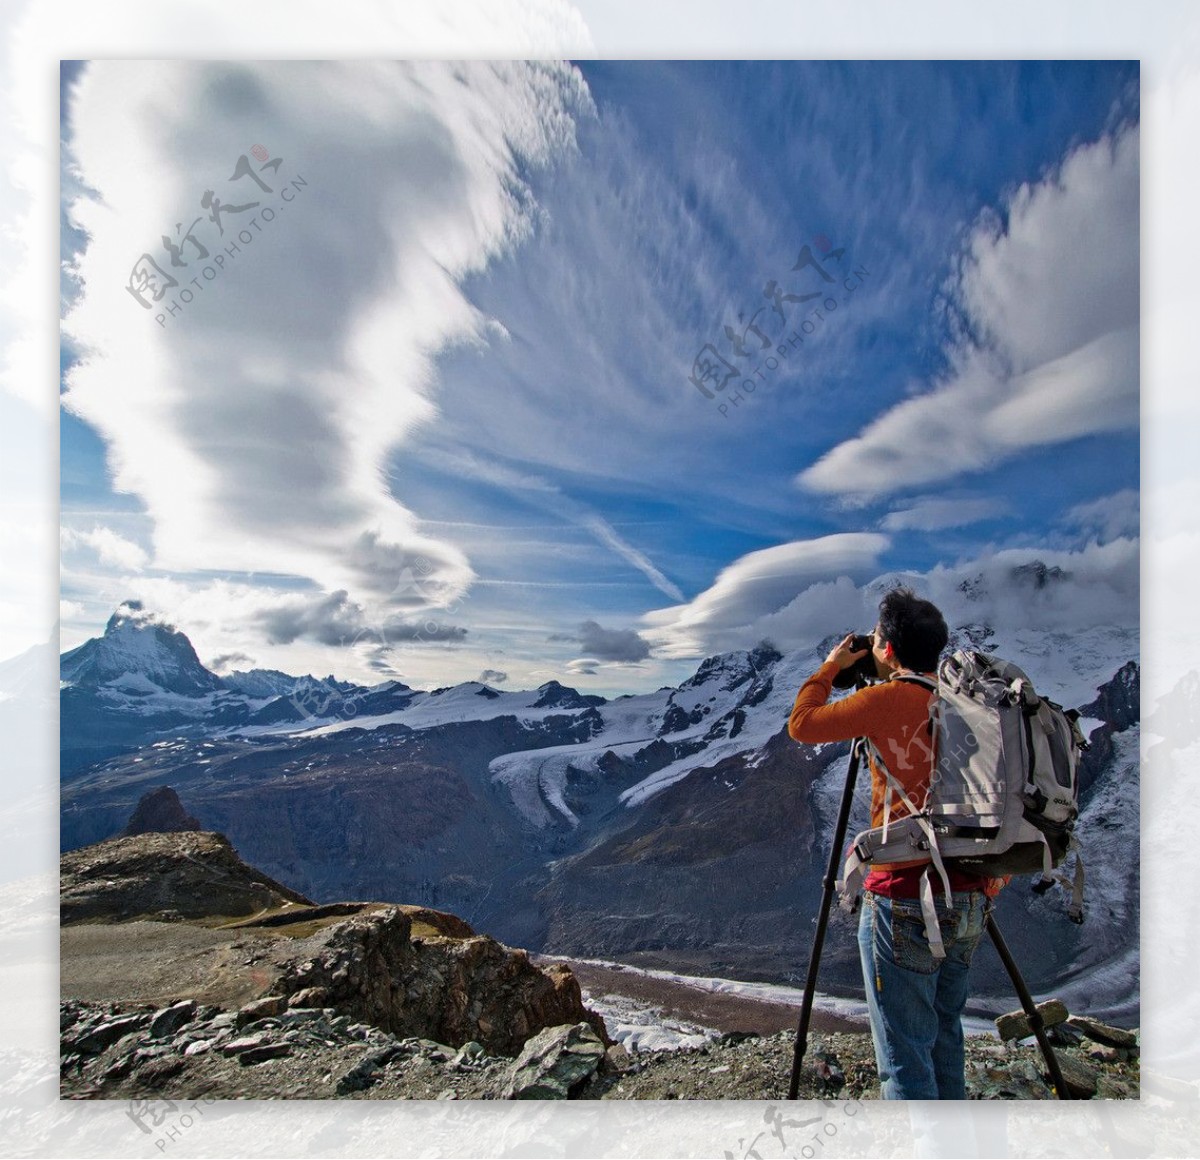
(915, 1001)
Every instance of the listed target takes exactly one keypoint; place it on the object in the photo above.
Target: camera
(863, 671)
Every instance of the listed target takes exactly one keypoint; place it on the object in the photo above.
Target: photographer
(915, 999)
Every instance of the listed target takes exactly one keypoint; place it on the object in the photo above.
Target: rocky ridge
(170, 876)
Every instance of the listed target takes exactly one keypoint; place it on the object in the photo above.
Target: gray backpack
(1003, 791)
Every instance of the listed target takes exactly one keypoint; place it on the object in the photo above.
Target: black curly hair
(914, 628)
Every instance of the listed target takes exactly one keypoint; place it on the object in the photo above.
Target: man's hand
(842, 656)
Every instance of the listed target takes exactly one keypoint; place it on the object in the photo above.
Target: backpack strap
(933, 931)
(916, 679)
(1074, 883)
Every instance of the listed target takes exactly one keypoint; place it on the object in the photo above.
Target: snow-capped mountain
(680, 828)
(137, 654)
(142, 681)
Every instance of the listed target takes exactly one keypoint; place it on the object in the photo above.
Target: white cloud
(1047, 300)
(110, 547)
(1109, 516)
(1040, 589)
(255, 424)
(1098, 585)
(754, 587)
(933, 513)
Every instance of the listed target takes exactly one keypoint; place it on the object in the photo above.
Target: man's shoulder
(898, 688)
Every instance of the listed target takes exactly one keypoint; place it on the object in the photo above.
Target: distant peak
(159, 811)
(138, 644)
(1038, 574)
(132, 614)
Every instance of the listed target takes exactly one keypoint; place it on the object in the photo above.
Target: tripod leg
(1036, 1023)
(814, 960)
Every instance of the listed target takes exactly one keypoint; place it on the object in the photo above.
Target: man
(914, 999)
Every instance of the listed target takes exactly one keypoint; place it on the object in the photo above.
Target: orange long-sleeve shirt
(894, 717)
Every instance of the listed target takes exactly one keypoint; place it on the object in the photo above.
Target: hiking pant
(914, 1000)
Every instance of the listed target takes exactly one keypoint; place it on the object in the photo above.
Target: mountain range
(679, 829)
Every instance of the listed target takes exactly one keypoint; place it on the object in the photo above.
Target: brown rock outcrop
(452, 990)
(159, 811)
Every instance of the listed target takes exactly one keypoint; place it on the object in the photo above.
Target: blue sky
(436, 419)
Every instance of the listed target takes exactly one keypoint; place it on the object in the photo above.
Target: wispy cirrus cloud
(548, 496)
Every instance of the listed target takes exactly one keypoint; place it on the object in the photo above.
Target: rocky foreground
(189, 1052)
(187, 975)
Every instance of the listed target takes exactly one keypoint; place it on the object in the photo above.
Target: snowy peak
(726, 671)
(259, 682)
(553, 695)
(139, 653)
(1036, 575)
(1118, 701)
(273, 683)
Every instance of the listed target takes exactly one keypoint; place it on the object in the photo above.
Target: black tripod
(1037, 1023)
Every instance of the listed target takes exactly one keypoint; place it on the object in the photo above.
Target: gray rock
(170, 1019)
(263, 1008)
(1101, 1052)
(362, 1074)
(106, 1034)
(1102, 1033)
(1013, 1080)
(295, 1017)
(244, 1043)
(307, 997)
(259, 1026)
(1015, 1025)
(1064, 1035)
(553, 1062)
(1109, 1087)
(262, 1052)
(617, 1058)
(1080, 1076)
